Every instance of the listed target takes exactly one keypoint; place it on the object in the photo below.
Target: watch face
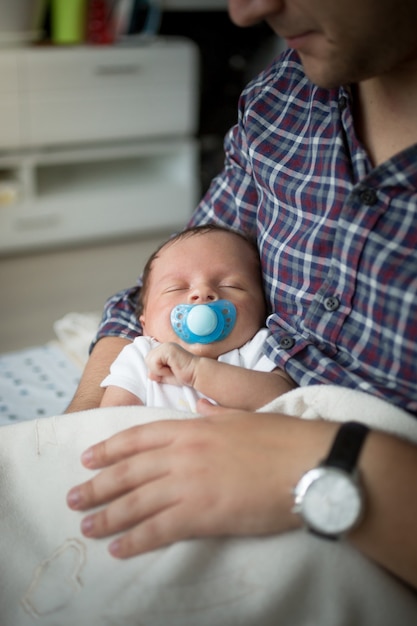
(329, 500)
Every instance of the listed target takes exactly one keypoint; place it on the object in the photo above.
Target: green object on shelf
(68, 18)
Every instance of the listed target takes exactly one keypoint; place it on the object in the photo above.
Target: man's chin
(319, 73)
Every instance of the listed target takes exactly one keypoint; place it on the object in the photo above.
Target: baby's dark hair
(191, 232)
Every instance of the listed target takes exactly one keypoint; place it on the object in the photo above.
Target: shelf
(97, 193)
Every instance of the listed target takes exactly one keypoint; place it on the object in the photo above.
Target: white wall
(16, 16)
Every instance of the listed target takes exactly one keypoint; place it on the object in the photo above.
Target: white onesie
(129, 371)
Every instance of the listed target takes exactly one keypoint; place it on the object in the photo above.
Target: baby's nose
(201, 294)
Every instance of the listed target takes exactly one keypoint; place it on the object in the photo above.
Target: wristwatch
(329, 497)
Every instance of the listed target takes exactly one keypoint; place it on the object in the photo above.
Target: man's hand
(233, 475)
(167, 481)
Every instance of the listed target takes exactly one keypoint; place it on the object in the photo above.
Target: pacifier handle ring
(202, 320)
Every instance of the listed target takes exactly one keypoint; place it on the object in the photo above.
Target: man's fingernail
(73, 498)
(114, 547)
(87, 525)
(87, 456)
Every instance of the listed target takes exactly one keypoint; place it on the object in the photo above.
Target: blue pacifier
(203, 323)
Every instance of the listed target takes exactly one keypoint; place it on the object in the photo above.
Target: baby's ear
(142, 321)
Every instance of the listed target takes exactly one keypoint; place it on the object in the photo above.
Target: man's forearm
(89, 393)
(387, 533)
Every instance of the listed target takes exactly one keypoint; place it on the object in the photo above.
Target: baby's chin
(210, 350)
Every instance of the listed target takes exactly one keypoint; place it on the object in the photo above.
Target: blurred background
(112, 118)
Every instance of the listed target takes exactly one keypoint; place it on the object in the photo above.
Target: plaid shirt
(337, 237)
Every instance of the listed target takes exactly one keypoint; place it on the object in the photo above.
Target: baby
(202, 312)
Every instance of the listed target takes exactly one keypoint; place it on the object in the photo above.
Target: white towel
(51, 575)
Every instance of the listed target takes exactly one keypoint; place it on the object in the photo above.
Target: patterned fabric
(119, 319)
(337, 237)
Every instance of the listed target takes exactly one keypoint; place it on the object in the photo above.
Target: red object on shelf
(100, 24)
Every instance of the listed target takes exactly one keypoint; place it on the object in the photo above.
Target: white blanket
(51, 575)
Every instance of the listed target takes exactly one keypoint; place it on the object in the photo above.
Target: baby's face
(199, 269)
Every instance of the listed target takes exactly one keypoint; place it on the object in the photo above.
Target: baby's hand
(169, 363)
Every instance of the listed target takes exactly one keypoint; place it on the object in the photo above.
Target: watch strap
(347, 446)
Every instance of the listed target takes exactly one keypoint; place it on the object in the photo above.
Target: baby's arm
(229, 385)
(116, 396)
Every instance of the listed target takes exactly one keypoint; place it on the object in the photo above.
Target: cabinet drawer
(8, 72)
(53, 121)
(106, 69)
(10, 132)
(90, 94)
(9, 101)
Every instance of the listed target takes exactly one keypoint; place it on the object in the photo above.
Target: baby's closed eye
(174, 288)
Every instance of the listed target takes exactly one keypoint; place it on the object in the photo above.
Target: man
(323, 170)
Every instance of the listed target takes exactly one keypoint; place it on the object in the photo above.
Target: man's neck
(386, 112)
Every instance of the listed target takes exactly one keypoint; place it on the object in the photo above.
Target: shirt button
(331, 304)
(368, 197)
(342, 103)
(286, 342)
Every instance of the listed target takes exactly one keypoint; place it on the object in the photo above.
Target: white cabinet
(96, 142)
(10, 116)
